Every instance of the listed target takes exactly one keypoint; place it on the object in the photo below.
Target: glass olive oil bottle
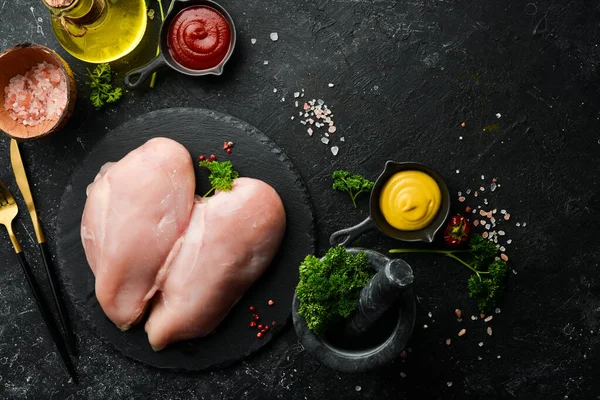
(98, 31)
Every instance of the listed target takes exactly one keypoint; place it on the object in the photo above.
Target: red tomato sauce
(199, 38)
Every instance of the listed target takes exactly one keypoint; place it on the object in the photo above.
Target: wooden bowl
(18, 60)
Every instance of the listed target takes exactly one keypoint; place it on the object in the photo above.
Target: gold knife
(21, 178)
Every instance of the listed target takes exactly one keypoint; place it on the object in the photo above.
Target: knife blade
(21, 178)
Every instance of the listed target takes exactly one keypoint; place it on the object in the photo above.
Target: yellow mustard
(410, 200)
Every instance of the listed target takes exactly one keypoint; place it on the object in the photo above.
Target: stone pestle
(379, 294)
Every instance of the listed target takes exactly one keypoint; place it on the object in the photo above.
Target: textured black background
(406, 74)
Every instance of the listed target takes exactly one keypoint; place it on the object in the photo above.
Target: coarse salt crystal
(274, 36)
(518, 224)
(266, 62)
(462, 332)
(473, 317)
(482, 189)
(489, 330)
(425, 326)
(310, 131)
(296, 95)
(489, 318)
(502, 248)
(524, 224)
(296, 104)
(497, 310)
(330, 85)
(506, 217)
(480, 344)
(334, 150)
(502, 211)
(461, 199)
(498, 115)
(501, 233)
(458, 171)
(482, 177)
(342, 139)
(332, 129)
(325, 140)
(487, 226)
(358, 388)
(402, 375)
(429, 314)
(509, 241)
(504, 257)
(449, 384)
(274, 89)
(448, 341)
(253, 41)
(476, 222)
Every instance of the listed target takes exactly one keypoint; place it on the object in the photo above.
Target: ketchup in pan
(199, 38)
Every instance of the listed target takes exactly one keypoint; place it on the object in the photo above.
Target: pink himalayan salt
(37, 96)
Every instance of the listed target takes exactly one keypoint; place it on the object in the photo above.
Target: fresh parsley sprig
(102, 89)
(221, 175)
(353, 184)
(486, 284)
(329, 288)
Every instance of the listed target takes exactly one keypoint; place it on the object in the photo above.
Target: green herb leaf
(353, 184)
(329, 289)
(486, 284)
(102, 89)
(221, 175)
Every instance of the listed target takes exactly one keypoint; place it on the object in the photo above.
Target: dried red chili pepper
(457, 231)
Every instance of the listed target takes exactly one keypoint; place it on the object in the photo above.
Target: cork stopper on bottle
(59, 3)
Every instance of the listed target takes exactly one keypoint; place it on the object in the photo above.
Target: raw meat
(134, 217)
(231, 240)
(204, 255)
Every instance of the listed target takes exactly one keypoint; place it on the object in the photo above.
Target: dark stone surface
(254, 155)
(386, 334)
(406, 74)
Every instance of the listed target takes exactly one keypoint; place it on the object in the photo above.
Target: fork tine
(8, 197)
(3, 201)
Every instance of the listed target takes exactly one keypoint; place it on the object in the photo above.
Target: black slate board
(254, 155)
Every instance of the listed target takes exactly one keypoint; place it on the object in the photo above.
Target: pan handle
(143, 73)
(348, 235)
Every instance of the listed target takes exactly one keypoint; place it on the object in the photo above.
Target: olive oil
(98, 31)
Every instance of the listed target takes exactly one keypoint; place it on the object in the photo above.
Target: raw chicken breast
(135, 215)
(146, 238)
(231, 240)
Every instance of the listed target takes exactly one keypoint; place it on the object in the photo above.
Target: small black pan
(137, 77)
(376, 219)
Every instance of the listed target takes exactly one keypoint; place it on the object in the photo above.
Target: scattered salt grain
(482, 189)
(402, 375)
(506, 217)
(480, 358)
(524, 224)
(468, 191)
(342, 139)
(489, 318)
(460, 138)
(504, 257)
(253, 41)
(332, 129)
(266, 62)
(296, 95)
(330, 85)
(489, 330)
(274, 89)
(425, 326)
(498, 115)
(487, 226)
(485, 235)
(497, 310)
(499, 357)
(482, 177)
(461, 199)
(310, 131)
(493, 187)
(502, 211)
(502, 248)
(292, 117)
(501, 233)
(296, 104)
(448, 341)
(473, 317)
(283, 99)
(429, 314)
(458, 313)
(462, 332)
(325, 140)
(509, 241)
(449, 384)
(518, 224)
(274, 36)
(480, 344)
(358, 388)
(458, 171)
(334, 150)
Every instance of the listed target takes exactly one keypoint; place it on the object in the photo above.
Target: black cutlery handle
(58, 300)
(37, 294)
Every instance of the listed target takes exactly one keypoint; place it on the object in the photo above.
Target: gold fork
(8, 212)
